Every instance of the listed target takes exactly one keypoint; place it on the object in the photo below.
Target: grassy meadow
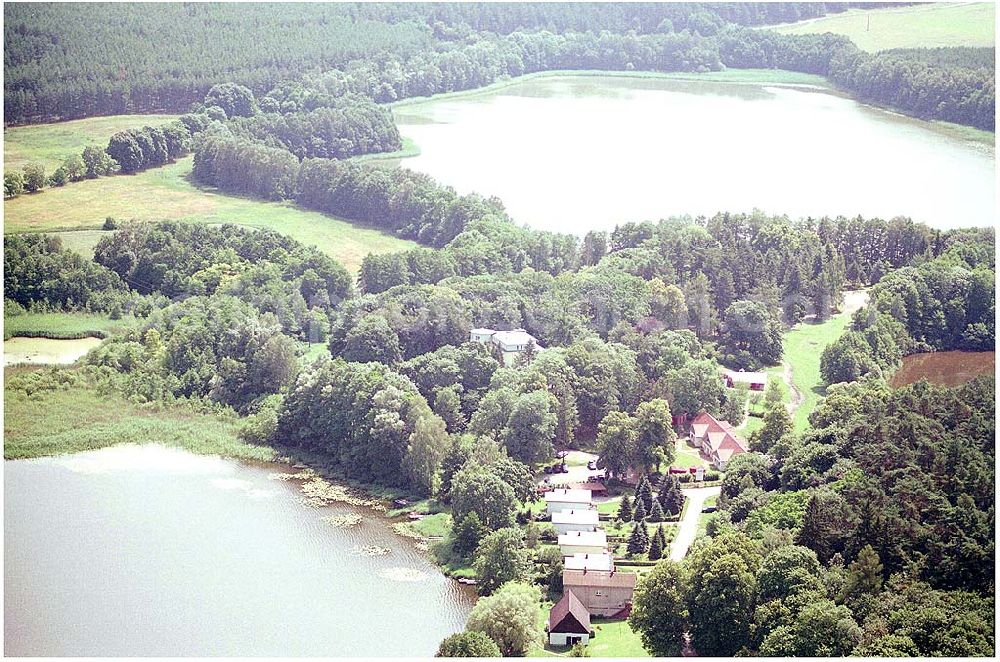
(61, 421)
(50, 144)
(62, 325)
(168, 193)
(928, 25)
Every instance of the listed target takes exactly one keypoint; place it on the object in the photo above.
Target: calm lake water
(945, 368)
(46, 350)
(572, 154)
(151, 551)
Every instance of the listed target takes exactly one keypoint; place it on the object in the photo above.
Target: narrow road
(688, 528)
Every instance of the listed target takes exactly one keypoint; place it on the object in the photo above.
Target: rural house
(567, 499)
(569, 622)
(756, 380)
(583, 542)
(716, 439)
(589, 562)
(565, 521)
(602, 593)
(510, 344)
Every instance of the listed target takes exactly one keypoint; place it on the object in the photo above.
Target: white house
(565, 521)
(602, 562)
(509, 343)
(583, 542)
(567, 499)
(569, 622)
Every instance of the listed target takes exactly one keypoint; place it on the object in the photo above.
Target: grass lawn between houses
(926, 25)
(168, 193)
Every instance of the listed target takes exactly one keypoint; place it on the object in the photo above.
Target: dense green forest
(871, 535)
(389, 52)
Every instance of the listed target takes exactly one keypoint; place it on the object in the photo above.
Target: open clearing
(931, 25)
(50, 144)
(168, 193)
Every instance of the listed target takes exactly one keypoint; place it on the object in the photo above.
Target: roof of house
(514, 338)
(594, 486)
(580, 516)
(585, 538)
(569, 607)
(748, 377)
(579, 561)
(483, 331)
(561, 495)
(599, 578)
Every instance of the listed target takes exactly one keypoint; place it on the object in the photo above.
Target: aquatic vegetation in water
(403, 529)
(343, 521)
(372, 550)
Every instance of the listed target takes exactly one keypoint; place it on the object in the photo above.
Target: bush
(712, 476)
(109, 224)
(685, 478)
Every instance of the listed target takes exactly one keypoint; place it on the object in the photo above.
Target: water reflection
(577, 153)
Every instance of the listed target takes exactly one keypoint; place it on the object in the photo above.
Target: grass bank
(51, 144)
(65, 326)
(928, 25)
(71, 420)
(169, 193)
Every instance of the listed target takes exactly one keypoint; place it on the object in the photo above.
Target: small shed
(569, 622)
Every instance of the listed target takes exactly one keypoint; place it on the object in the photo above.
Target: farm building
(756, 380)
(583, 542)
(716, 439)
(565, 521)
(569, 622)
(602, 593)
(567, 499)
(510, 344)
(589, 562)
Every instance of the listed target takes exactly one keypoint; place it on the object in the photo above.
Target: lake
(153, 551)
(46, 351)
(576, 153)
(946, 368)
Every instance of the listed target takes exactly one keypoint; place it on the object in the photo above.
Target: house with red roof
(716, 439)
(569, 622)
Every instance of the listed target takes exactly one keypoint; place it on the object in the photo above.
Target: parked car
(548, 470)
(693, 470)
(563, 468)
(709, 509)
(592, 465)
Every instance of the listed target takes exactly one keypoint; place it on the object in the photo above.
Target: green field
(931, 25)
(803, 347)
(168, 193)
(62, 325)
(70, 421)
(50, 144)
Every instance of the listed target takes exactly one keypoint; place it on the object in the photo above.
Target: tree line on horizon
(389, 53)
